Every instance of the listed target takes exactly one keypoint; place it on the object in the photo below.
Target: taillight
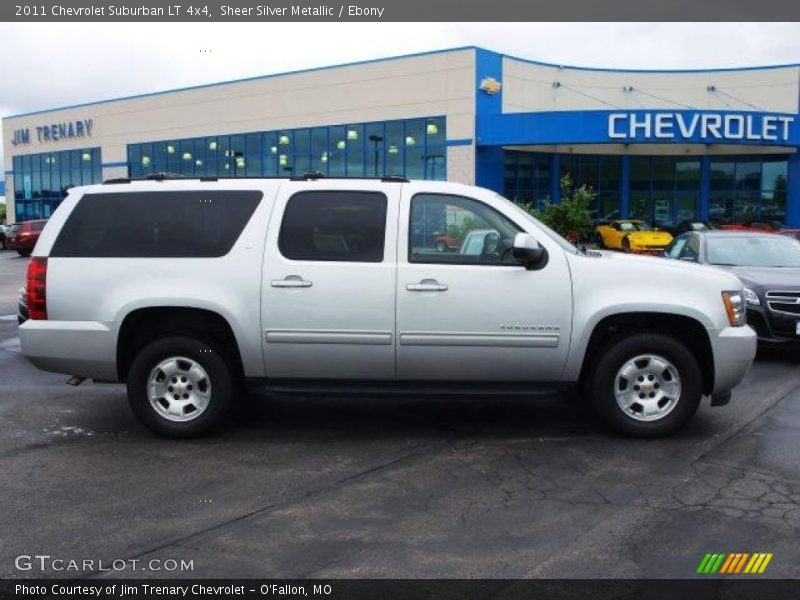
(36, 286)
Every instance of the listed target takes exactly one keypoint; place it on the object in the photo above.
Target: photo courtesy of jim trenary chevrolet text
(433, 299)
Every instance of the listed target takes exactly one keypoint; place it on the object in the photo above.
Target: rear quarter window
(185, 224)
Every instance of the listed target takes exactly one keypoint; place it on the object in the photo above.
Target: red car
(22, 237)
(795, 233)
(753, 226)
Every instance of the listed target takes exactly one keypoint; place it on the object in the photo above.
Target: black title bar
(404, 589)
(405, 10)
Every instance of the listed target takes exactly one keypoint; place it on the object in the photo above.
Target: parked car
(751, 226)
(767, 264)
(445, 243)
(22, 237)
(184, 289)
(632, 236)
(794, 233)
(688, 225)
(3, 230)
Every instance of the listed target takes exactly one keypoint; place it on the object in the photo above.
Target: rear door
(328, 301)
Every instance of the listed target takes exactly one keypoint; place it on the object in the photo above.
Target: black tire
(223, 384)
(626, 245)
(24, 253)
(620, 351)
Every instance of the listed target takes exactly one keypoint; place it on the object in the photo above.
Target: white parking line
(8, 317)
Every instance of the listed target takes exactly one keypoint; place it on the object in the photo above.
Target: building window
(41, 180)
(601, 173)
(664, 190)
(413, 148)
(527, 177)
(747, 189)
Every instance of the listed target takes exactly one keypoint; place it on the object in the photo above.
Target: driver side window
(458, 230)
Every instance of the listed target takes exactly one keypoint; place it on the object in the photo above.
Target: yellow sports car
(632, 236)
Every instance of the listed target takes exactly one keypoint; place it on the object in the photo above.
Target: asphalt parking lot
(374, 488)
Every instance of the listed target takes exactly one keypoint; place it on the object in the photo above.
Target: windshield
(566, 245)
(754, 251)
(633, 226)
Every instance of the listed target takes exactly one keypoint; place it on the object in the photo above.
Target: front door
(466, 310)
(328, 302)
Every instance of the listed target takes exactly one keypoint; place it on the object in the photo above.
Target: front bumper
(734, 350)
(85, 348)
(773, 329)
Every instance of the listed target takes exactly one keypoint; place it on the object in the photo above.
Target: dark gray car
(768, 265)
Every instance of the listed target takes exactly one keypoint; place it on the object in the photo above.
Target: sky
(47, 65)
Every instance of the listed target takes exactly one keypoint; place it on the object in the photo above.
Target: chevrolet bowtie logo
(490, 85)
(735, 563)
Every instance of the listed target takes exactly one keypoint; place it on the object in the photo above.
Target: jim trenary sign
(700, 126)
(54, 132)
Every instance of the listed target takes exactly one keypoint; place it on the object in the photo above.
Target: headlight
(734, 306)
(751, 297)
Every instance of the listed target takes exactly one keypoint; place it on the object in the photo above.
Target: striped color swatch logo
(735, 563)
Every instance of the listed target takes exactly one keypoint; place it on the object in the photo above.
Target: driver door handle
(426, 285)
(290, 281)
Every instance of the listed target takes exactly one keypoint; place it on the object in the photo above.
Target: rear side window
(334, 225)
(191, 224)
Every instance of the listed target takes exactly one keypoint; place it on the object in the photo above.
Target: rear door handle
(290, 281)
(426, 285)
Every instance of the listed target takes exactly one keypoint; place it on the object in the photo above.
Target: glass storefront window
(687, 174)
(722, 174)
(748, 175)
(773, 175)
(41, 181)
(753, 188)
(527, 177)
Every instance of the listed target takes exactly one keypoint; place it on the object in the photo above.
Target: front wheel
(180, 387)
(647, 385)
(626, 245)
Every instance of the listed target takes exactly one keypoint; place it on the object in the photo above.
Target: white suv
(185, 288)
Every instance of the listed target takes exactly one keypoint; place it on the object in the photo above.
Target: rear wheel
(180, 387)
(646, 385)
(24, 253)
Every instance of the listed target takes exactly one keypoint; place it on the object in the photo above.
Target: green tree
(2, 213)
(570, 217)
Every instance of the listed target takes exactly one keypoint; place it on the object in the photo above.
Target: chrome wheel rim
(179, 389)
(647, 387)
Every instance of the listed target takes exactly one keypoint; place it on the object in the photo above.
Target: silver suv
(185, 289)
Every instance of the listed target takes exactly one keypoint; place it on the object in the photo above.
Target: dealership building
(663, 146)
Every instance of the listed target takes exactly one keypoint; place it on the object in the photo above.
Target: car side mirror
(528, 251)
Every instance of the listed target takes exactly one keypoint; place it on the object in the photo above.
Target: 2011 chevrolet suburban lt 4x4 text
(185, 289)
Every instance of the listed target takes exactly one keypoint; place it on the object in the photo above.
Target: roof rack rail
(164, 176)
(308, 175)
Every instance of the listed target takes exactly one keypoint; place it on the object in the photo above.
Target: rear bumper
(17, 244)
(85, 348)
(734, 350)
